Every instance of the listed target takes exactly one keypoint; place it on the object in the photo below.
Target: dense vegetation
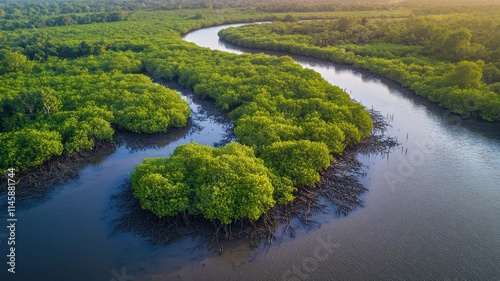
(66, 87)
(78, 83)
(77, 103)
(451, 59)
(71, 73)
(224, 183)
(286, 115)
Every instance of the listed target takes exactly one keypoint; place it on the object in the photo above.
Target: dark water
(432, 211)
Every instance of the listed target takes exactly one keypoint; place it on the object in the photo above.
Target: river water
(432, 211)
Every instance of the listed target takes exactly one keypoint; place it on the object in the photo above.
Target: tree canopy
(224, 184)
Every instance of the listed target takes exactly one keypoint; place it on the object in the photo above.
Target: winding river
(432, 211)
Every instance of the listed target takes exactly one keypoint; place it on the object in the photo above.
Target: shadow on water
(140, 142)
(35, 185)
(206, 110)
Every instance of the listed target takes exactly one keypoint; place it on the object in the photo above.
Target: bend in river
(431, 212)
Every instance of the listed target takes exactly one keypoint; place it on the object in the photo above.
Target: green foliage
(160, 189)
(80, 128)
(491, 73)
(271, 99)
(68, 86)
(465, 74)
(15, 62)
(300, 161)
(290, 18)
(432, 55)
(28, 148)
(453, 45)
(223, 184)
(80, 82)
(82, 102)
(495, 87)
(33, 103)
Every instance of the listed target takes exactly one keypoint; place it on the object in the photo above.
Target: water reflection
(36, 184)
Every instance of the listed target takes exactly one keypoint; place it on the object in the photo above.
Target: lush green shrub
(300, 161)
(224, 184)
(28, 148)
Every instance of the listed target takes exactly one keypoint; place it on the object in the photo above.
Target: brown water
(431, 213)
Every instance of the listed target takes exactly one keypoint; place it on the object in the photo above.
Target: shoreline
(34, 183)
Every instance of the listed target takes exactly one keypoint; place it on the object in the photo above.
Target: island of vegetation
(74, 72)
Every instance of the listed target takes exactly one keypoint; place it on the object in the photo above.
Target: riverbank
(445, 190)
(426, 189)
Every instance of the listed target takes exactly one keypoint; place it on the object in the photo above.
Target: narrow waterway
(431, 212)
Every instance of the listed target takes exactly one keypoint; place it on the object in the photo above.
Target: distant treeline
(449, 3)
(13, 10)
(321, 7)
(37, 14)
(69, 19)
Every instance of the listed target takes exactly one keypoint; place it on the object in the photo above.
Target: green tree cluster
(270, 99)
(224, 184)
(290, 116)
(80, 101)
(28, 147)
